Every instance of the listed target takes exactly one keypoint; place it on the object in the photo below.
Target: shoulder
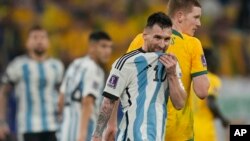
(126, 59)
(56, 62)
(19, 60)
(193, 41)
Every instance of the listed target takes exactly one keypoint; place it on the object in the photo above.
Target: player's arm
(201, 85)
(112, 124)
(103, 118)
(176, 89)
(87, 109)
(214, 108)
(117, 81)
(199, 69)
(4, 129)
(7, 81)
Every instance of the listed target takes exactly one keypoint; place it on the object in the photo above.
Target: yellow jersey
(189, 53)
(203, 117)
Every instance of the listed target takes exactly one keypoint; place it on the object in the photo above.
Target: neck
(176, 25)
(94, 58)
(37, 57)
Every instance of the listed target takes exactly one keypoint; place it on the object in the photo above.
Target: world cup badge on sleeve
(113, 81)
(203, 59)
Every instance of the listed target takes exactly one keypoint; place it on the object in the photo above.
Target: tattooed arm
(103, 118)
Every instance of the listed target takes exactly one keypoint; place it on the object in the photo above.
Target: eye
(157, 37)
(167, 39)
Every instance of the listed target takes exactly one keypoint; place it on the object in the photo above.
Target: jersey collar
(177, 33)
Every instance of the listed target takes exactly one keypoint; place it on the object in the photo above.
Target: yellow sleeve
(199, 64)
(136, 43)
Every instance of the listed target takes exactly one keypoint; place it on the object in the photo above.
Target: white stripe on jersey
(35, 89)
(142, 87)
(83, 77)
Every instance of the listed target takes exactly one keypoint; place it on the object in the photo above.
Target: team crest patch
(113, 81)
(203, 59)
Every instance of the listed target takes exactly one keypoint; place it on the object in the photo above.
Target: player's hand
(4, 131)
(110, 132)
(170, 62)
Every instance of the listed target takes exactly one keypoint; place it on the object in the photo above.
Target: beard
(156, 49)
(39, 51)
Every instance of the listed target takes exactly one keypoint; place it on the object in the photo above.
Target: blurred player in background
(143, 79)
(82, 88)
(35, 77)
(185, 15)
(206, 111)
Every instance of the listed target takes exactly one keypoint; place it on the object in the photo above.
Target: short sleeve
(199, 64)
(60, 72)
(92, 82)
(11, 75)
(117, 81)
(136, 43)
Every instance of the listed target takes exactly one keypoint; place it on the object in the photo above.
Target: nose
(199, 23)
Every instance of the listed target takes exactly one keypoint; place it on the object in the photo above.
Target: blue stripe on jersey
(165, 110)
(29, 108)
(42, 86)
(151, 117)
(54, 93)
(141, 64)
(90, 129)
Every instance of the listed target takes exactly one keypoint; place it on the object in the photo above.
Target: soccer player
(206, 111)
(185, 15)
(82, 88)
(35, 78)
(143, 80)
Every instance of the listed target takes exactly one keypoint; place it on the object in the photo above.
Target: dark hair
(175, 5)
(35, 28)
(212, 59)
(160, 19)
(99, 35)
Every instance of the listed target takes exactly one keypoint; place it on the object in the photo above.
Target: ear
(180, 16)
(145, 33)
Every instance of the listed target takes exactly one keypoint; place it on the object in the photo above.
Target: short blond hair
(186, 5)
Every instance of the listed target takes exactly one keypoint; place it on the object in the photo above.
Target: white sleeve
(65, 80)
(179, 75)
(11, 75)
(60, 72)
(92, 82)
(117, 81)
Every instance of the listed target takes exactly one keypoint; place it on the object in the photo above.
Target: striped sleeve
(11, 75)
(117, 81)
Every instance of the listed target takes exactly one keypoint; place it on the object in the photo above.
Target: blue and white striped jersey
(35, 89)
(83, 77)
(140, 81)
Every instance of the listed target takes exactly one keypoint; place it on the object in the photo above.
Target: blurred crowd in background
(225, 27)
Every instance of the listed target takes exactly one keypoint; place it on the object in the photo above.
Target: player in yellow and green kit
(185, 15)
(205, 111)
